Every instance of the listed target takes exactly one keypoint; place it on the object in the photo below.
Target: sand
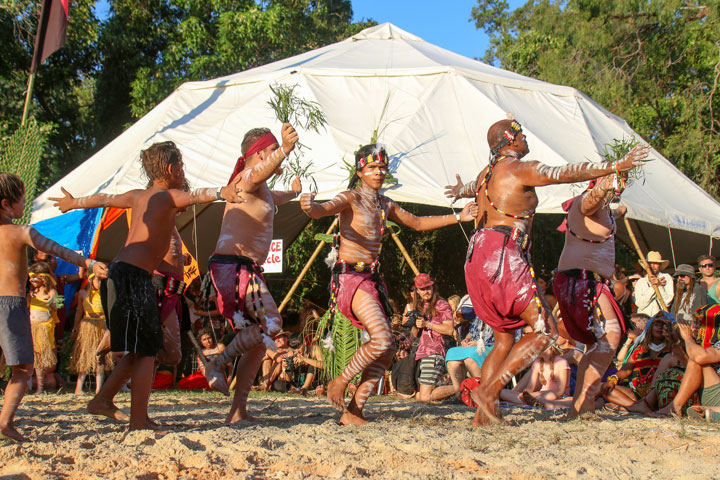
(298, 438)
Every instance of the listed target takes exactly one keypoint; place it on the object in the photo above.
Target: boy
(15, 336)
(130, 297)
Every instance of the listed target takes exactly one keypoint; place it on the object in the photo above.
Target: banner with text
(273, 263)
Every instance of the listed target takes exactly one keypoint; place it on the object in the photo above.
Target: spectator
(645, 297)
(687, 297)
(636, 326)
(546, 381)
(706, 264)
(433, 322)
(640, 368)
(197, 380)
(703, 348)
(277, 373)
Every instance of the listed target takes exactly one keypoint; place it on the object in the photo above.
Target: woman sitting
(547, 381)
(197, 381)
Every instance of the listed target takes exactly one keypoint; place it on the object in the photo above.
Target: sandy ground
(299, 438)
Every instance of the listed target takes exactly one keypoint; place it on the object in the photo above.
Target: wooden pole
(644, 263)
(306, 268)
(404, 252)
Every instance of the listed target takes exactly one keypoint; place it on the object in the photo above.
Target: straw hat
(655, 257)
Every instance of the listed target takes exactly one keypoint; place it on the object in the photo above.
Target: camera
(289, 365)
(412, 317)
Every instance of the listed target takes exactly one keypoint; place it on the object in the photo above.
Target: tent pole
(405, 253)
(644, 263)
(306, 268)
(672, 247)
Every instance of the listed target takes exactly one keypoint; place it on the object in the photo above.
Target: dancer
(129, 295)
(15, 333)
(88, 330)
(244, 243)
(498, 271)
(582, 284)
(357, 289)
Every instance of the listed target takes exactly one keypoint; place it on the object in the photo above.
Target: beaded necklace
(613, 230)
(486, 183)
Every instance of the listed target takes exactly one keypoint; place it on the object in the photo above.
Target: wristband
(218, 193)
(457, 216)
(90, 265)
(613, 379)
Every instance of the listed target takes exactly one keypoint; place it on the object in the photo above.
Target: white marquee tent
(440, 106)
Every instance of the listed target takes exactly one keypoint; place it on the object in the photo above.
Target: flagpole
(39, 42)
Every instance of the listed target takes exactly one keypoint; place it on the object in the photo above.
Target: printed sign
(273, 263)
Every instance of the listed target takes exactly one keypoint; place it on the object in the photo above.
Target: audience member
(645, 297)
(433, 321)
(546, 381)
(210, 348)
(706, 264)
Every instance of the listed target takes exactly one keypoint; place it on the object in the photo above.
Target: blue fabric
(461, 353)
(73, 230)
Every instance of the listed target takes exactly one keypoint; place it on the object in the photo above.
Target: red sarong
(571, 290)
(194, 381)
(224, 278)
(351, 282)
(499, 301)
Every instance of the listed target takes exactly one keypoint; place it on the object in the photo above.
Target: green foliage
(655, 63)
(346, 341)
(21, 155)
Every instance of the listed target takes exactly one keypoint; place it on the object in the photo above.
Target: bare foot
(9, 433)
(216, 378)
(152, 426)
(101, 406)
(529, 399)
(349, 418)
(336, 394)
(486, 412)
(240, 417)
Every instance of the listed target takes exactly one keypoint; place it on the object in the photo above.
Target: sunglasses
(707, 265)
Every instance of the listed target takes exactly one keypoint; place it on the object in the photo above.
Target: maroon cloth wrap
(351, 282)
(260, 144)
(571, 291)
(224, 278)
(498, 302)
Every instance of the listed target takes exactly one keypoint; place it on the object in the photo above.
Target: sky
(444, 23)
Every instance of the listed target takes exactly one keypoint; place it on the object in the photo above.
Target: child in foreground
(15, 334)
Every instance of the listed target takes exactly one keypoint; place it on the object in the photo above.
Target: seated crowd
(667, 362)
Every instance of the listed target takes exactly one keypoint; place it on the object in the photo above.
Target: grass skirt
(84, 359)
(45, 357)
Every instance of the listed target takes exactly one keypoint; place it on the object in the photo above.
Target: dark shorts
(132, 311)
(15, 334)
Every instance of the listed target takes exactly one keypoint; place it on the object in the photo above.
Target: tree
(655, 63)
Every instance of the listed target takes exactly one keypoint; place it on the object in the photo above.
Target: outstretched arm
(280, 197)
(397, 214)
(460, 190)
(44, 244)
(536, 174)
(231, 193)
(325, 209)
(68, 202)
(259, 173)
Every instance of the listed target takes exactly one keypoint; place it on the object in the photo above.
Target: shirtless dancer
(15, 335)
(245, 237)
(130, 297)
(498, 272)
(357, 288)
(587, 305)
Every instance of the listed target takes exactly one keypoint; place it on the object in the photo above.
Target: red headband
(260, 144)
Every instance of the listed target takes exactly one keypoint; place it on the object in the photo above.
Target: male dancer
(587, 305)
(498, 272)
(130, 299)
(15, 334)
(244, 243)
(357, 289)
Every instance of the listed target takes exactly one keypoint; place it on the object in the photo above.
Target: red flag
(51, 30)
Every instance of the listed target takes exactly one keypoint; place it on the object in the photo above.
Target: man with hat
(645, 297)
(356, 288)
(433, 320)
(245, 237)
(689, 294)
